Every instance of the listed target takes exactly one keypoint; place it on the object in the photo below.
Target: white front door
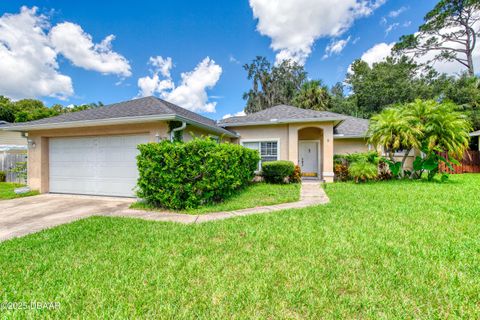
(99, 165)
(308, 157)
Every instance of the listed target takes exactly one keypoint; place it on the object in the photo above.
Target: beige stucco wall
(38, 163)
(12, 138)
(347, 146)
(288, 136)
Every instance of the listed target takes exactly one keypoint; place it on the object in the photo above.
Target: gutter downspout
(182, 127)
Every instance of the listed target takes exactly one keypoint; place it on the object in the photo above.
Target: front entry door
(308, 157)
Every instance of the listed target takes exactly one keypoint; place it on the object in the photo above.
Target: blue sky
(188, 32)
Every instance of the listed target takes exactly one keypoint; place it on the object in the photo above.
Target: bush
(341, 172)
(277, 171)
(363, 171)
(187, 175)
(370, 157)
(3, 176)
(296, 176)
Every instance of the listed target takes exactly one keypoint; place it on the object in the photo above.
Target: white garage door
(100, 165)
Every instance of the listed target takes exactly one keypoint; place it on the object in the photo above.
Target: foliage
(177, 135)
(362, 171)
(341, 172)
(369, 156)
(198, 172)
(31, 109)
(426, 125)
(392, 81)
(272, 84)
(313, 95)
(3, 176)
(277, 171)
(450, 31)
(20, 169)
(253, 195)
(296, 176)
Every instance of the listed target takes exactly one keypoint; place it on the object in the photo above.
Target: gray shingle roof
(280, 113)
(352, 127)
(142, 107)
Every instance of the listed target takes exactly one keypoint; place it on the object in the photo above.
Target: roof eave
(475, 134)
(281, 121)
(346, 136)
(114, 121)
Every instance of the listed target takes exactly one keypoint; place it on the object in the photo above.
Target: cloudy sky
(187, 52)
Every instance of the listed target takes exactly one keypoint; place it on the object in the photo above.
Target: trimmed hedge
(187, 175)
(277, 171)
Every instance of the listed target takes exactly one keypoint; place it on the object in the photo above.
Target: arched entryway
(310, 151)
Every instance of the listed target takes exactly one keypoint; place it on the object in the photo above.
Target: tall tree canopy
(272, 84)
(395, 80)
(313, 95)
(31, 109)
(450, 31)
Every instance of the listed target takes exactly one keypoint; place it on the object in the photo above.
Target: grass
(255, 195)
(7, 191)
(389, 250)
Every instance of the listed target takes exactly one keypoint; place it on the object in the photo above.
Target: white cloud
(163, 65)
(71, 41)
(28, 64)
(391, 27)
(294, 25)
(377, 53)
(336, 47)
(396, 13)
(191, 93)
(232, 59)
(236, 114)
(29, 49)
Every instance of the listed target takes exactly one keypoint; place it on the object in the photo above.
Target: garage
(95, 165)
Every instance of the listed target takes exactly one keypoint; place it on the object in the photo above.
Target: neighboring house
(476, 135)
(93, 151)
(11, 141)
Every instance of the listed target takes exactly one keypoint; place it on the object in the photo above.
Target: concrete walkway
(22, 216)
(311, 194)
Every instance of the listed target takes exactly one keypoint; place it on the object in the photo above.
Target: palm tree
(313, 95)
(393, 130)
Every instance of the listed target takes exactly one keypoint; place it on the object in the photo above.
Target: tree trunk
(405, 156)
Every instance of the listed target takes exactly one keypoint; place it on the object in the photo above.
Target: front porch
(311, 147)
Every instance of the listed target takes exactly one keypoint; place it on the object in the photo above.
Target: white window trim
(277, 140)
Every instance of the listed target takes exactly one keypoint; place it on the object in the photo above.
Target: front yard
(394, 249)
(7, 191)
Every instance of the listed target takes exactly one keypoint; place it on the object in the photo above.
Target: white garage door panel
(100, 165)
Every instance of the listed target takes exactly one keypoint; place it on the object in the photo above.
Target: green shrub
(3, 176)
(362, 171)
(277, 171)
(187, 175)
(296, 176)
(370, 157)
(341, 172)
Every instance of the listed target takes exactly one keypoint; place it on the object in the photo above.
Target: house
(94, 151)
(476, 135)
(11, 141)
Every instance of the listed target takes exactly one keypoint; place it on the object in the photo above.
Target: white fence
(8, 161)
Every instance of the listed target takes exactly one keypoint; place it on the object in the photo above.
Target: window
(268, 150)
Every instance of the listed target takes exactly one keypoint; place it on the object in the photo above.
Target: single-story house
(11, 141)
(93, 151)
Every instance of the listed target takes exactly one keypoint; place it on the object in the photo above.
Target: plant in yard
(277, 171)
(341, 172)
(426, 125)
(20, 169)
(362, 171)
(296, 176)
(187, 175)
(3, 176)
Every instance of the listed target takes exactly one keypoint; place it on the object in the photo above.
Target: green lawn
(380, 250)
(255, 195)
(6, 191)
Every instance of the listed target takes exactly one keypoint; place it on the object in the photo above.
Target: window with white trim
(268, 150)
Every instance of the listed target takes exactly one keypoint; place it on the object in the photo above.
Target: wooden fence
(469, 164)
(8, 161)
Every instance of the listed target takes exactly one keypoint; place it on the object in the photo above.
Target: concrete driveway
(22, 216)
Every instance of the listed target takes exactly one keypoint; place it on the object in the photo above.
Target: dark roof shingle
(280, 113)
(352, 127)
